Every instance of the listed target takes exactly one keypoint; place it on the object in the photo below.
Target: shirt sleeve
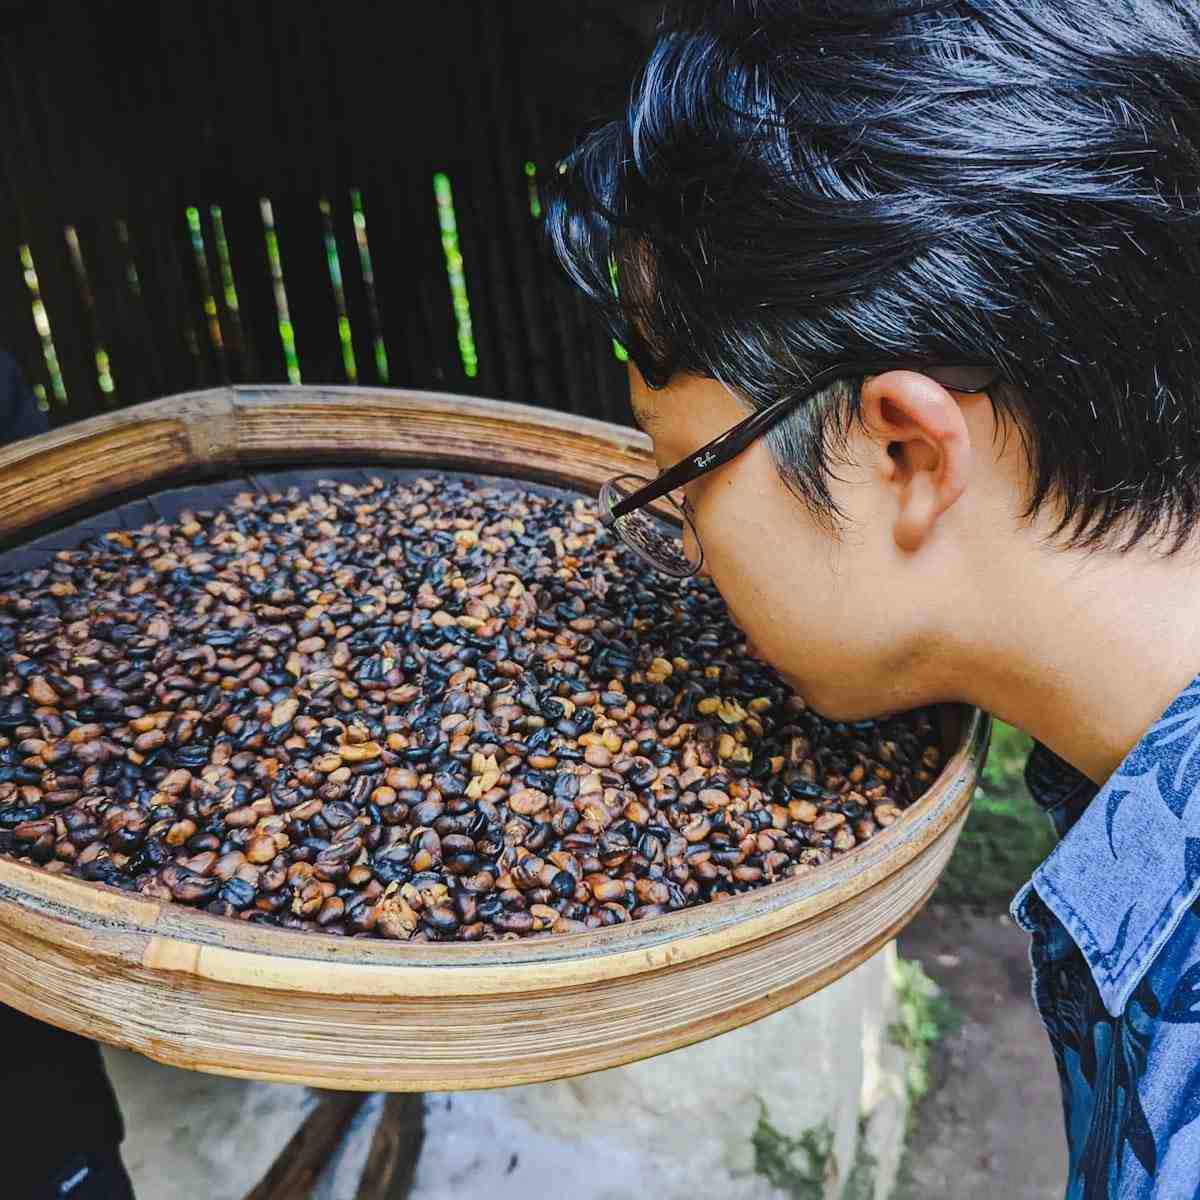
(1130, 1083)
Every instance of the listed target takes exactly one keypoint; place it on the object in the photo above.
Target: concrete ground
(991, 1126)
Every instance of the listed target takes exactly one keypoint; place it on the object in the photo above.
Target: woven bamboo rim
(198, 991)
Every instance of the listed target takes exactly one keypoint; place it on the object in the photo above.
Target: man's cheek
(765, 604)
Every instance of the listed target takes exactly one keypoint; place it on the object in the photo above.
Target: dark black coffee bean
(12, 817)
(563, 885)
(237, 893)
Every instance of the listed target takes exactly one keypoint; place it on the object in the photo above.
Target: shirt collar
(1126, 872)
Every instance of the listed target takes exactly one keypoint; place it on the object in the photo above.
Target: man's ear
(926, 449)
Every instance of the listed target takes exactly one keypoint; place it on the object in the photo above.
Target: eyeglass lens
(656, 540)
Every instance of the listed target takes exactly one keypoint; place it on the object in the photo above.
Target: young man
(937, 265)
(62, 1127)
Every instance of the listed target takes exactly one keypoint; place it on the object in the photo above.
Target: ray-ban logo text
(703, 460)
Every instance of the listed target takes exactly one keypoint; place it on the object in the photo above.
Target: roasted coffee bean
(563, 885)
(187, 886)
(442, 919)
(11, 818)
(414, 708)
(513, 922)
(237, 893)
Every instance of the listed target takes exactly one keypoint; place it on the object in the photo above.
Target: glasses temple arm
(732, 442)
(726, 446)
(709, 457)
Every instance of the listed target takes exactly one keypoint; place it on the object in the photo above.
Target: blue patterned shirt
(1114, 913)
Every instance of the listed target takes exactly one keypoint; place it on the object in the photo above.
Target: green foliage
(799, 1166)
(860, 1183)
(455, 273)
(1006, 834)
(925, 1016)
(1005, 767)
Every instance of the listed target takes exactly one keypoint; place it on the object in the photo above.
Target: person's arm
(20, 416)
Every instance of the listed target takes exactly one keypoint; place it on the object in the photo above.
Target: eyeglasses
(666, 538)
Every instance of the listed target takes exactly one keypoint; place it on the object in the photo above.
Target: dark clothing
(1114, 913)
(58, 1105)
(61, 1124)
(98, 1175)
(20, 416)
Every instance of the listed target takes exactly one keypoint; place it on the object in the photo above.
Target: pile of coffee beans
(427, 709)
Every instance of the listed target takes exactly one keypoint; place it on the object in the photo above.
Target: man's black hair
(796, 183)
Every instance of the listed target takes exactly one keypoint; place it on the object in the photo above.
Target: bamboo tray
(198, 991)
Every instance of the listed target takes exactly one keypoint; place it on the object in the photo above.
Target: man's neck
(1088, 651)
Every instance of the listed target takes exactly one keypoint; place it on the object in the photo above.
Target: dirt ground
(991, 1126)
